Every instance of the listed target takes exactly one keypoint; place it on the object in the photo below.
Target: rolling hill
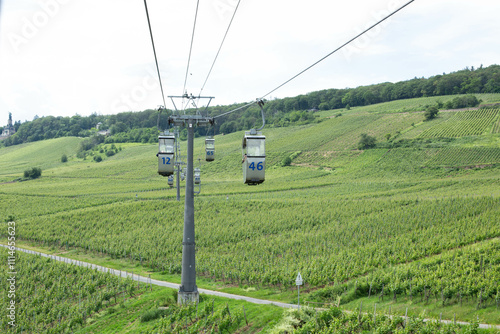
(355, 223)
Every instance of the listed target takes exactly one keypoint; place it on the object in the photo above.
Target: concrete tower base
(186, 298)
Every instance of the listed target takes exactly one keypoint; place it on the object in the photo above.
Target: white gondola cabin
(197, 177)
(254, 157)
(209, 149)
(166, 151)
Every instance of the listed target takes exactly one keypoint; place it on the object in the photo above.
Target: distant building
(104, 133)
(9, 130)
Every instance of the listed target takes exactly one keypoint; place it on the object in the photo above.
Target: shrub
(463, 102)
(97, 158)
(33, 173)
(431, 113)
(366, 142)
(110, 153)
(64, 158)
(287, 161)
(152, 315)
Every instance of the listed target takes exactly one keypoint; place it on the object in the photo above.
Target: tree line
(140, 126)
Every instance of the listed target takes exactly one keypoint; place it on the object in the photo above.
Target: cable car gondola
(166, 150)
(197, 177)
(254, 157)
(209, 149)
(254, 153)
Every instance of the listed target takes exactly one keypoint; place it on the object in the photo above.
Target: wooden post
(245, 315)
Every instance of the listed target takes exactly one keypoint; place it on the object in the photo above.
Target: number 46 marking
(260, 166)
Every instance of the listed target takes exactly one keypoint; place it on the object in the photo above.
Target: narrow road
(143, 279)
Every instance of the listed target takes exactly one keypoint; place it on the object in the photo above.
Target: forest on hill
(141, 126)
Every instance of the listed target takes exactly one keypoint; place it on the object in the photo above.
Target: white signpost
(298, 281)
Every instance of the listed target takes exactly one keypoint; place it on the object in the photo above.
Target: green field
(426, 200)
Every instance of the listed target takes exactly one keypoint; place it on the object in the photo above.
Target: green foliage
(447, 275)
(54, 127)
(33, 173)
(324, 106)
(463, 102)
(364, 214)
(287, 161)
(333, 320)
(152, 315)
(46, 154)
(463, 123)
(57, 297)
(97, 158)
(64, 158)
(205, 318)
(89, 143)
(431, 113)
(288, 158)
(136, 126)
(366, 142)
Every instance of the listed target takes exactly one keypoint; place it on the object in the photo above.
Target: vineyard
(469, 274)
(334, 320)
(464, 123)
(416, 218)
(465, 156)
(306, 238)
(55, 297)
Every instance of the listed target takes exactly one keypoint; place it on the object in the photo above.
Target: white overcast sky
(67, 57)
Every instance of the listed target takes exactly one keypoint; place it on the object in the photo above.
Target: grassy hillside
(45, 154)
(338, 215)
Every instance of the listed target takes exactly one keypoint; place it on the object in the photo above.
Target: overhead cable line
(239, 108)
(340, 47)
(320, 60)
(156, 62)
(190, 48)
(220, 47)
